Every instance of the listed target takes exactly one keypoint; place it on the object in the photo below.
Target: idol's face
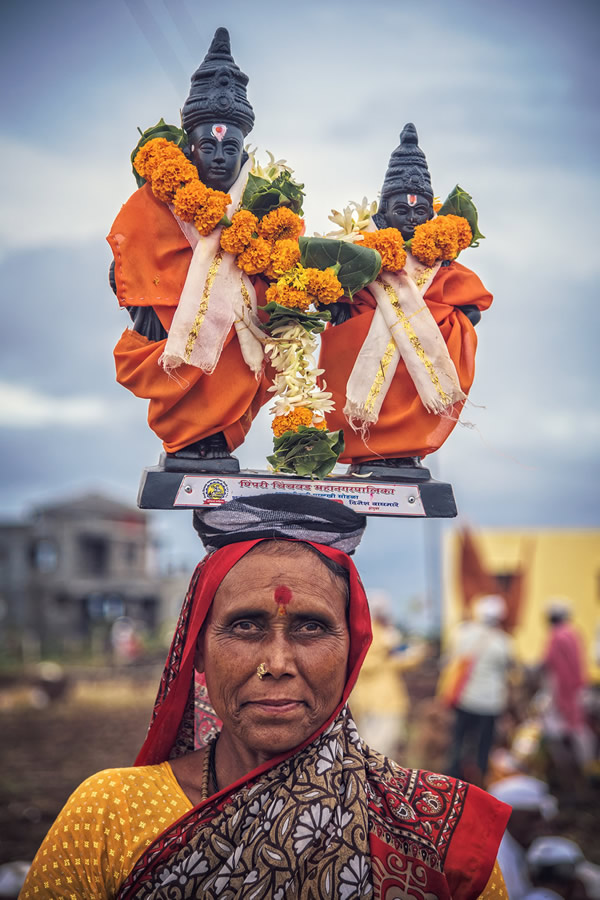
(286, 611)
(406, 211)
(216, 151)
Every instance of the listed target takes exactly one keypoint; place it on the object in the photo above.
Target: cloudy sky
(505, 100)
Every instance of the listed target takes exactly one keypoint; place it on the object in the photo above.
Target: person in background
(488, 652)
(565, 728)
(380, 702)
(532, 807)
(558, 868)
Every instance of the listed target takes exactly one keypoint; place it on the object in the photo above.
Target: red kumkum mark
(282, 597)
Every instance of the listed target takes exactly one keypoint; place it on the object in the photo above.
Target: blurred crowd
(530, 735)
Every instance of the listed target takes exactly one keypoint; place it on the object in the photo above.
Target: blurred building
(73, 568)
(527, 567)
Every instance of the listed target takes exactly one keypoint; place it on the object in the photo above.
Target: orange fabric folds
(152, 256)
(404, 427)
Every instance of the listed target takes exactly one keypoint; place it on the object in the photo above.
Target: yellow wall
(565, 563)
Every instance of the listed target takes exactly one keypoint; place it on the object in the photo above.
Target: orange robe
(404, 427)
(152, 257)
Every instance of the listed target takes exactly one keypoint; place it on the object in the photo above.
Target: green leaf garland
(459, 203)
(356, 266)
(308, 453)
(160, 130)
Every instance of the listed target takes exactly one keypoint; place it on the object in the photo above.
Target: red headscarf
(178, 675)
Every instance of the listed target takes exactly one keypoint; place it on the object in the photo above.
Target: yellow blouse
(106, 825)
(102, 831)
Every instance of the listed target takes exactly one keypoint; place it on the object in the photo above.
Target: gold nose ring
(262, 670)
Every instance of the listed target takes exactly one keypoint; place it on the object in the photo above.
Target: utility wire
(159, 44)
(187, 29)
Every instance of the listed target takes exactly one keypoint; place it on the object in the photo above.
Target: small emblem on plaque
(215, 490)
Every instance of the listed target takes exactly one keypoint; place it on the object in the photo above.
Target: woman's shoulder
(105, 824)
(106, 783)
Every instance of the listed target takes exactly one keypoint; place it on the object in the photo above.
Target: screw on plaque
(188, 489)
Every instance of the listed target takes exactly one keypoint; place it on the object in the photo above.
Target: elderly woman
(266, 790)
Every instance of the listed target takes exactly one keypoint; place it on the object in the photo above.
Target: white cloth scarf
(402, 328)
(216, 295)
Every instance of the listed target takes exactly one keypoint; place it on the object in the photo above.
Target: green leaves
(357, 266)
(283, 315)
(160, 130)
(261, 196)
(459, 203)
(309, 452)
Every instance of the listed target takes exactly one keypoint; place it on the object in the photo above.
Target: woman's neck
(233, 759)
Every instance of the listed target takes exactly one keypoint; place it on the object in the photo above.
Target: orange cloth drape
(404, 427)
(477, 580)
(152, 256)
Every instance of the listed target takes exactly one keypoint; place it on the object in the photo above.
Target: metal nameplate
(384, 499)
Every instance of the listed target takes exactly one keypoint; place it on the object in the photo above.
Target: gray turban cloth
(284, 516)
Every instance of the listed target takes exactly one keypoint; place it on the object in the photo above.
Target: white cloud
(22, 407)
(49, 198)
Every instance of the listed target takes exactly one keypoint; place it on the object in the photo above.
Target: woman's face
(288, 611)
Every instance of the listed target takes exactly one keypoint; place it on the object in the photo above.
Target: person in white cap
(532, 807)
(484, 695)
(558, 868)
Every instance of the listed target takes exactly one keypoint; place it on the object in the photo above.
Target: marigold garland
(255, 258)
(167, 176)
(438, 239)
(285, 295)
(279, 224)
(188, 200)
(174, 179)
(290, 422)
(285, 255)
(465, 235)
(241, 231)
(389, 243)
(152, 153)
(324, 284)
(208, 216)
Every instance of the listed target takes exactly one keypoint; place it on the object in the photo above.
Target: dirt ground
(45, 753)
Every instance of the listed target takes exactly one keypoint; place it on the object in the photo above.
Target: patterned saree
(330, 818)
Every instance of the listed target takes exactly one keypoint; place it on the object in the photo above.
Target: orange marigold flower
(288, 296)
(188, 200)
(437, 204)
(169, 175)
(321, 424)
(255, 258)
(465, 235)
(290, 422)
(239, 234)
(446, 238)
(325, 285)
(284, 256)
(208, 216)
(152, 153)
(389, 243)
(279, 224)
(424, 246)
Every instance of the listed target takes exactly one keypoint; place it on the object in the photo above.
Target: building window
(93, 555)
(130, 554)
(44, 555)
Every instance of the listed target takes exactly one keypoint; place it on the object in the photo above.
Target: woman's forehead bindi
(282, 596)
